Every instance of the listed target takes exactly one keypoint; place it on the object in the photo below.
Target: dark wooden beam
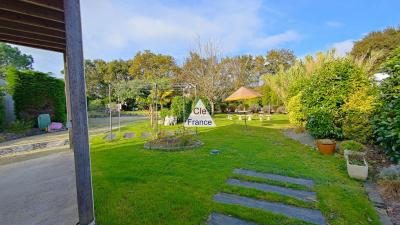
(79, 119)
(38, 37)
(32, 45)
(32, 10)
(31, 20)
(51, 4)
(31, 29)
(31, 42)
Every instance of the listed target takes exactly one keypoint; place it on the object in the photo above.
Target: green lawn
(137, 186)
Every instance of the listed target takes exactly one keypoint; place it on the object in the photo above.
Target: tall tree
(95, 73)
(277, 58)
(147, 65)
(378, 41)
(117, 70)
(202, 68)
(240, 70)
(12, 56)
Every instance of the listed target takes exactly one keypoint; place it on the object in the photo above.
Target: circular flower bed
(173, 143)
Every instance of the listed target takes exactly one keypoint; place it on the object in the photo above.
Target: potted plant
(321, 126)
(326, 146)
(357, 166)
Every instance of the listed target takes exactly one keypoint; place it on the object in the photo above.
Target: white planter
(356, 171)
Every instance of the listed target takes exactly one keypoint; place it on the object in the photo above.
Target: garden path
(306, 214)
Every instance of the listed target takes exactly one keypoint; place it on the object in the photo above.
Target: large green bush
(320, 124)
(181, 107)
(387, 119)
(35, 93)
(328, 91)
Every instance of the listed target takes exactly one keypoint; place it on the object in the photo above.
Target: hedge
(386, 122)
(36, 93)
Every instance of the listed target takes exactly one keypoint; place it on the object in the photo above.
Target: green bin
(43, 121)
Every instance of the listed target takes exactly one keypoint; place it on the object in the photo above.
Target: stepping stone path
(306, 214)
(109, 137)
(220, 219)
(129, 135)
(269, 176)
(309, 215)
(299, 194)
(146, 134)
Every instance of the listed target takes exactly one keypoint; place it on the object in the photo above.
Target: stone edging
(378, 203)
(34, 146)
(197, 144)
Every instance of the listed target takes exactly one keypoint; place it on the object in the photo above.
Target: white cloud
(343, 47)
(276, 40)
(334, 24)
(118, 29)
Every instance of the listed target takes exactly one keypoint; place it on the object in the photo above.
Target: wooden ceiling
(33, 23)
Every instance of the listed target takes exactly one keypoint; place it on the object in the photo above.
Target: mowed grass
(137, 186)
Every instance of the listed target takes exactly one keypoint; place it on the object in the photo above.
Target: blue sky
(117, 29)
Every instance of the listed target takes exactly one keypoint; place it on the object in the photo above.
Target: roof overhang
(33, 23)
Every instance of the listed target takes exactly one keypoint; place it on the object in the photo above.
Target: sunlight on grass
(137, 186)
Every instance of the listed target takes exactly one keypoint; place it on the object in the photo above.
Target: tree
(202, 68)
(384, 41)
(117, 70)
(12, 56)
(240, 71)
(277, 58)
(95, 73)
(147, 65)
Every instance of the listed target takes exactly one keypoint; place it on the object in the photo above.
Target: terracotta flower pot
(326, 146)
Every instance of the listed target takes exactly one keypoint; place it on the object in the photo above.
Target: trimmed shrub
(320, 124)
(351, 145)
(386, 122)
(358, 111)
(178, 102)
(295, 111)
(35, 93)
(327, 93)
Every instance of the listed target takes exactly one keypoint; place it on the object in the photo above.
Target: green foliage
(279, 58)
(19, 126)
(386, 122)
(12, 57)
(35, 93)
(384, 41)
(351, 145)
(321, 124)
(331, 87)
(181, 107)
(147, 65)
(165, 112)
(295, 111)
(358, 111)
(96, 105)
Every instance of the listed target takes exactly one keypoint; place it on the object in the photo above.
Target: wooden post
(67, 100)
(77, 93)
